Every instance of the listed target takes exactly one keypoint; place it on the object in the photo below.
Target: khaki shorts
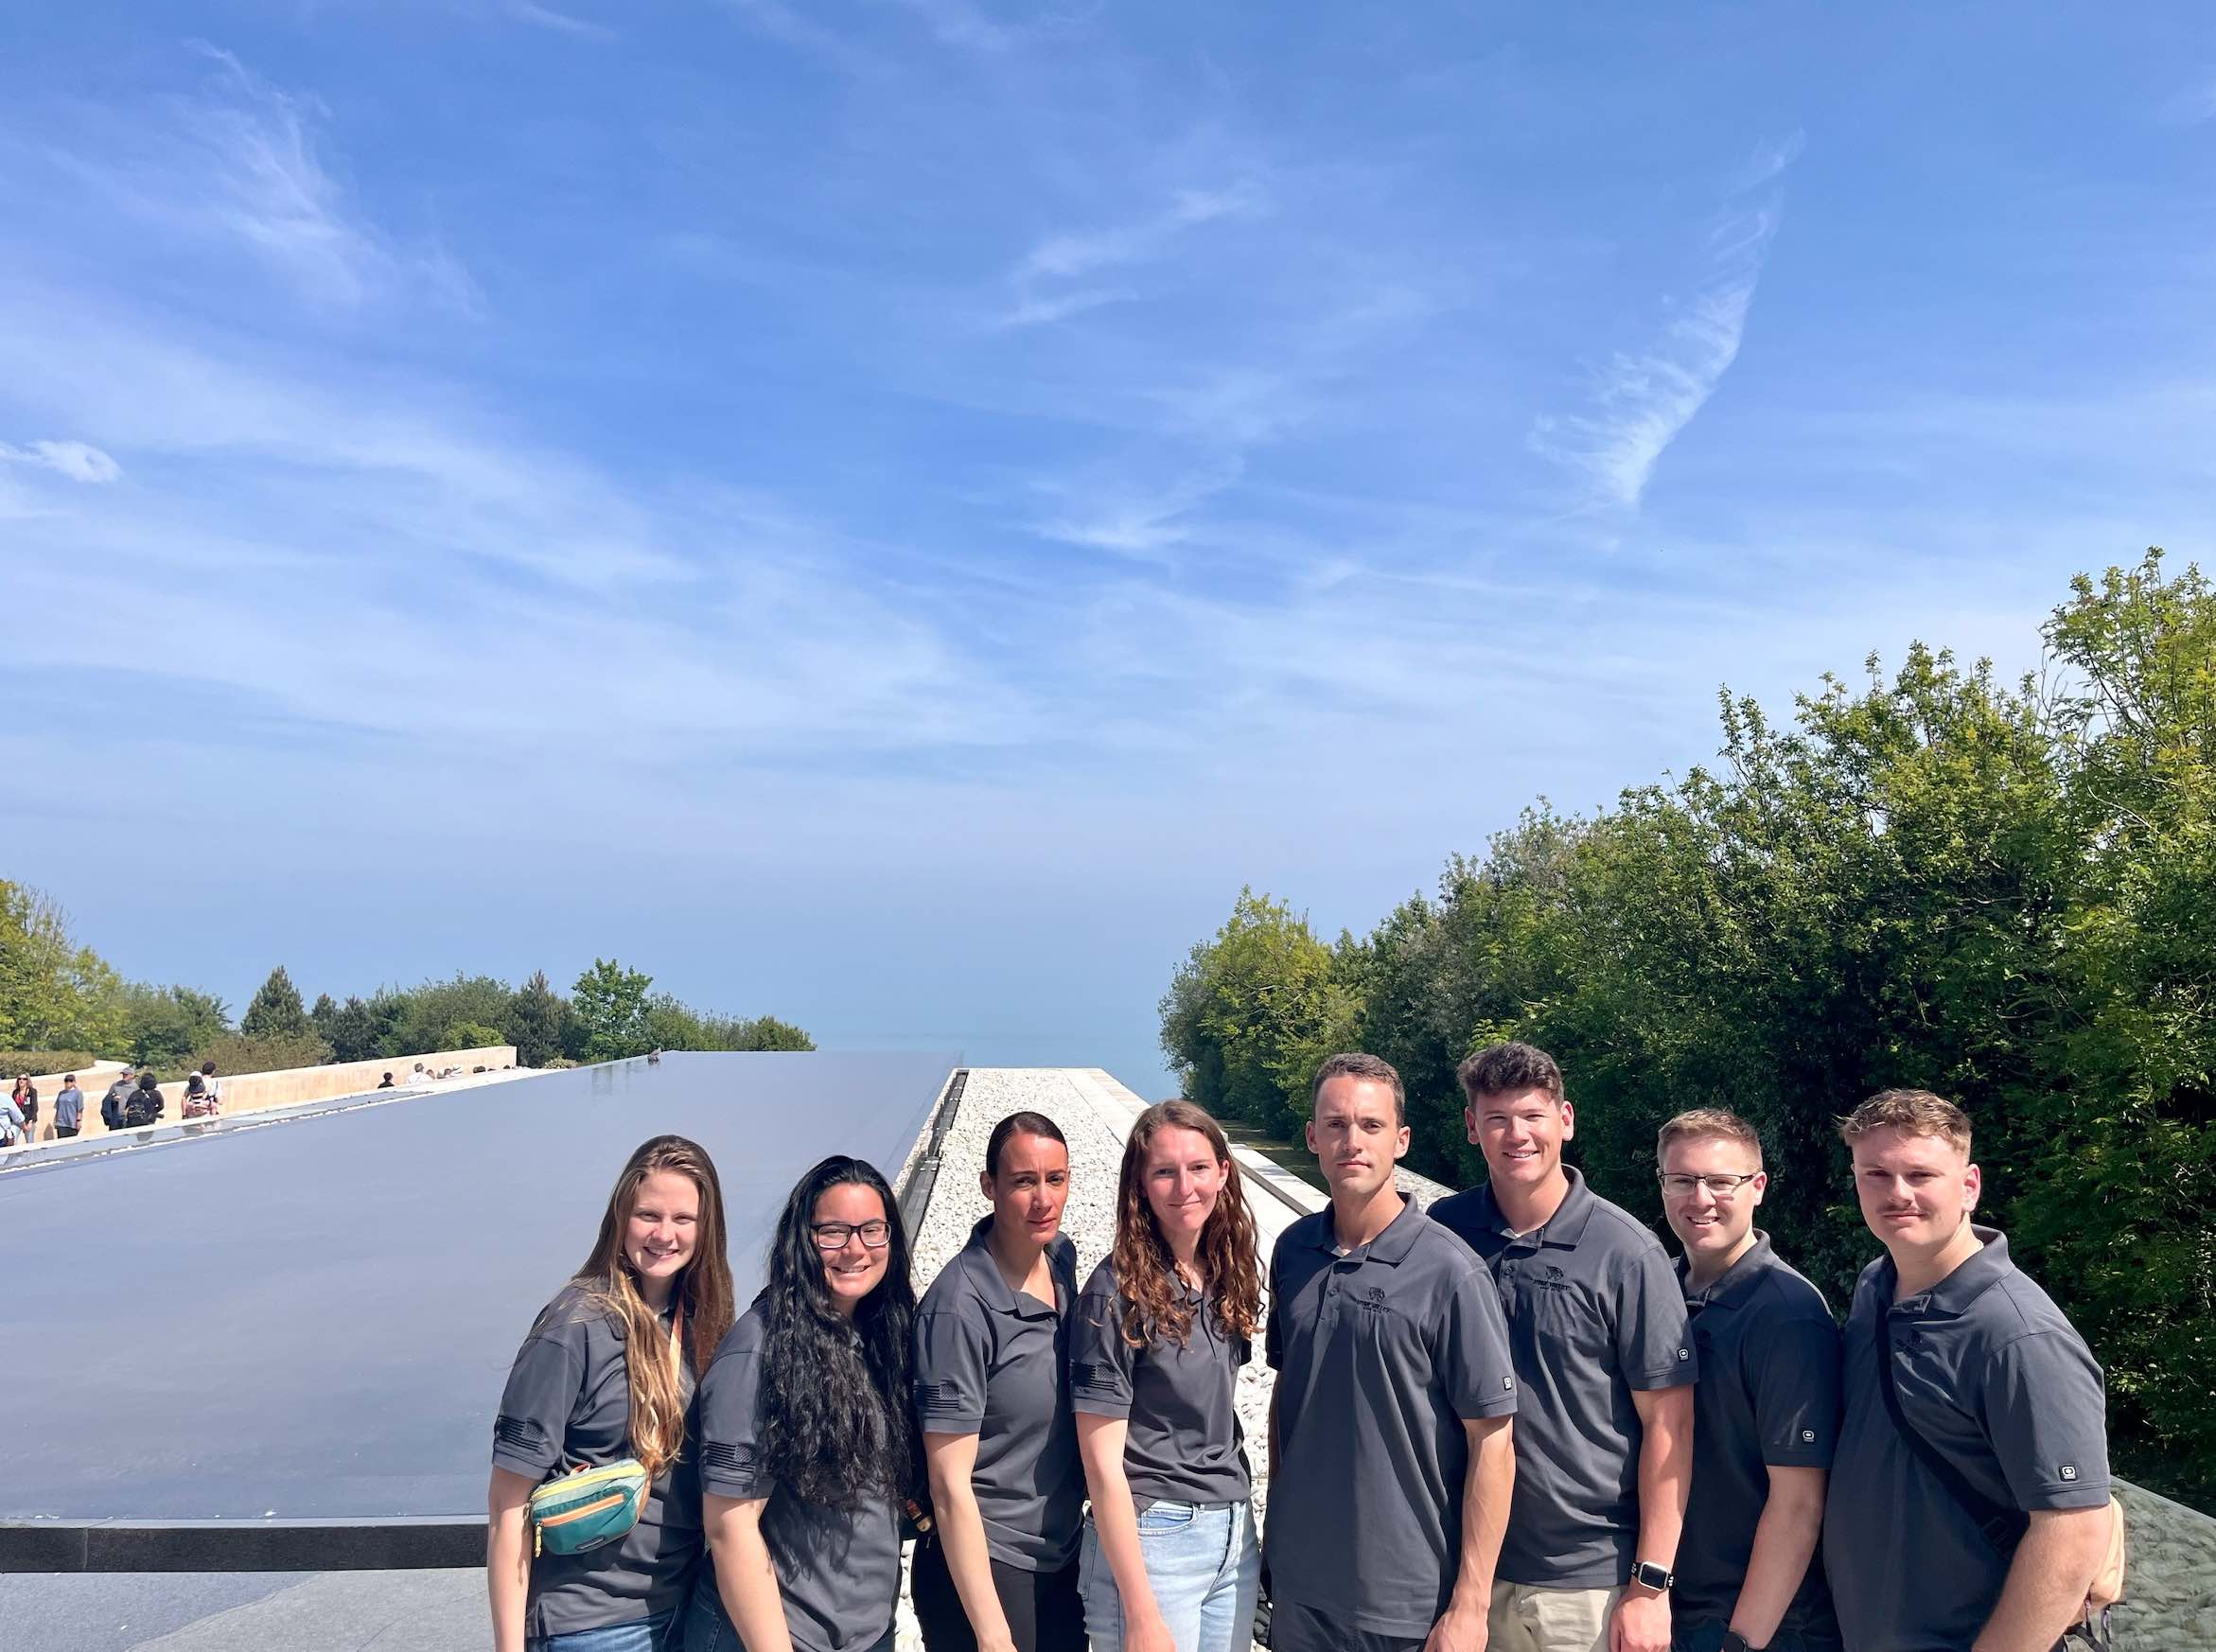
(1524, 1619)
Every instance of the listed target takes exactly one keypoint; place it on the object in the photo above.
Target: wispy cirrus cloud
(1643, 399)
(559, 22)
(78, 461)
(1037, 280)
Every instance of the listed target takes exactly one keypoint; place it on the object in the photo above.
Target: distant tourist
(195, 1104)
(999, 1567)
(1163, 1327)
(12, 1123)
(215, 1091)
(25, 1097)
(807, 1455)
(605, 1381)
(145, 1103)
(387, 1084)
(116, 1103)
(68, 1107)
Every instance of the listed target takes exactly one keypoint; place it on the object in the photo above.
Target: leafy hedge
(36, 1062)
(2006, 894)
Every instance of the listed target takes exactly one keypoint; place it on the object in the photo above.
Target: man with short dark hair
(116, 1103)
(1766, 1410)
(1969, 1501)
(1604, 1372)
(1390, 1451)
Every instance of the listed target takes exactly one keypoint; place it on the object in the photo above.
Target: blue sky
(890, 511)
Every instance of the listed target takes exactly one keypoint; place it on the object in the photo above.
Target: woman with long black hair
(807, 1453)
(606, 1376)
(998, 1572)
(1169, 1561)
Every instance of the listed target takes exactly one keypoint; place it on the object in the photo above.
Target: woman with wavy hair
(1167, 1561)
(606, 1374)
(807, 1454)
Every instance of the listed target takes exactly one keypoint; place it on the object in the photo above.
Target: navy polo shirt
(1768, 1396)
(1183, 1441)
(568, 1405)
(995, 1363)
(1381, 1354)
(1594, 1314)
(1991, 1374)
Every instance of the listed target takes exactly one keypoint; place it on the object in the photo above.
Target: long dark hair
(834, 1395)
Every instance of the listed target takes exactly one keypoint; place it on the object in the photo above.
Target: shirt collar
(1736, 1282)
(1953, 1294)
(1391, 1246)
(1564, 1228)
(984, 1274)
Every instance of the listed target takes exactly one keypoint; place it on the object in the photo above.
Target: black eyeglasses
(1719, 1186)
(833, 1235)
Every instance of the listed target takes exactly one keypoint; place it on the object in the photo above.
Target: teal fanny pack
(583, 1510)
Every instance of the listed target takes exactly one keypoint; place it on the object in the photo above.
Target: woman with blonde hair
(1168, 1559)
(608, 1375)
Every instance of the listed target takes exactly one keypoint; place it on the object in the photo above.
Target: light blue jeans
(1203, 1565)
(639, 1635)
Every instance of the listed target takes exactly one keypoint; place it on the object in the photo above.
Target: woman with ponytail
(1167, 1561)
(807, 1453)
(608, 1374)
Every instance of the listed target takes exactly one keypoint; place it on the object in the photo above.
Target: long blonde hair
(702, 1291)
(1145, 1270)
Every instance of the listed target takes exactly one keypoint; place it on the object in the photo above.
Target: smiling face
(1032, 1186)
(1916, 1191)
(1355, 1136)
(1521, 1133)
(1710, 1225)
(1183, 1179)
(661, 1236)
(855, 1268)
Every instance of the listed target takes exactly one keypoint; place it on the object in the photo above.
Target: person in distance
(808, 1455)
(1167, 1557)
(606, 1374)
(999, 1570)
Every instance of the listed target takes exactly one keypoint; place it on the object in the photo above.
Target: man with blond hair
(1968, 1506)
(1766, 1414)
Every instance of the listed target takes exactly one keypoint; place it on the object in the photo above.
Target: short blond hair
(1700, 1123)
(1911, 1112)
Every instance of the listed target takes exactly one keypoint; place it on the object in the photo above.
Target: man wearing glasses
(1765, 1412)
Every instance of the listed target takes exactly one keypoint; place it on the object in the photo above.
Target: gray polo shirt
(837, 1569)
(995, 1363)
(1594, 1312)
(567, 1403)
(1991, 1374)
(1768, 1396)
(1183, 1442)
(1380, 1355)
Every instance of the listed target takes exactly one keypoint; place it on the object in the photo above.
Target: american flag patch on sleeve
(1089, 1376)
(521, 1433)
(731, 1462)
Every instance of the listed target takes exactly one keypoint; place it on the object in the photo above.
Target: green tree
(163, 1026)
(54, 993)
(610, 1006)
(276, 1010)
(534, 1021)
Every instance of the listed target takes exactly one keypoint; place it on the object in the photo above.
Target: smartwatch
(1648, 1575)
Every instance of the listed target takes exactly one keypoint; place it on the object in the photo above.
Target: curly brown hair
(1146, 1272)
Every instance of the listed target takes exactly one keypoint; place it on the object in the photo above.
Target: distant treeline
(62, 1006)
(2005, 894)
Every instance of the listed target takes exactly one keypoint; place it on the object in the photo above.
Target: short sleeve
(1473, 1358)
(951, 1357)
(729, 1400)
(543, 1386)
(1654, 1342)
(1101, 1361)
(2046, 1411)
(1794, 1380)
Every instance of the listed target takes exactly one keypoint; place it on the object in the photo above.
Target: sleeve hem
(737, 1491)
(2059, 1499)
(1798, 1457)
(1096, 1407)
(529, 1469)
(1683, 1376)
(939, 1422)
(1490, 1406)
